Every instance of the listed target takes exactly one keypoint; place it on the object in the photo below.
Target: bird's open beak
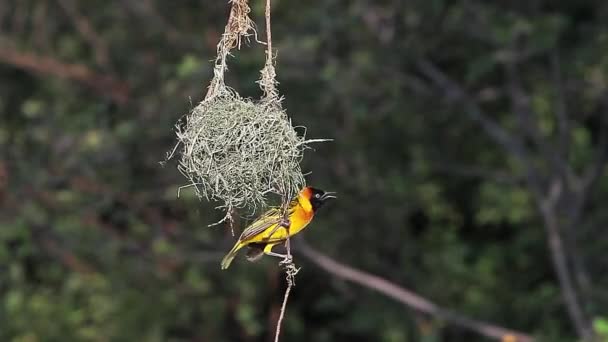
(328, 195)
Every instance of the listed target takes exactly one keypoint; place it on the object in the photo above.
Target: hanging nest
(237, 151)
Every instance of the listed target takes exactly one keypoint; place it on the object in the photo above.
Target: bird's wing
(267, 220)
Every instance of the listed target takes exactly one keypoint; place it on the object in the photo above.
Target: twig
(558, 256)
(536, 184)
(409, 298)
(566, 178)
(238, 26)
(290, 273)
(268, 32)
(282, 314)
(268, 81)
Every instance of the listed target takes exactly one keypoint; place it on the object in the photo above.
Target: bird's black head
(318, 197)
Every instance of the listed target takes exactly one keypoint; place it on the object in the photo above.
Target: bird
(272, 228)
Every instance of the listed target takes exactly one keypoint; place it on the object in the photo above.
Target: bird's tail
(228, 258)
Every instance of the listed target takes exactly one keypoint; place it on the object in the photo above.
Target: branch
(409, 298)
(560, 264)
(103, 84)
(544, 201)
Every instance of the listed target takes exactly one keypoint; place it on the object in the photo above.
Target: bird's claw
(285, 222)
(287, 261)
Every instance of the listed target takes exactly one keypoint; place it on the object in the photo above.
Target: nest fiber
(237, 152)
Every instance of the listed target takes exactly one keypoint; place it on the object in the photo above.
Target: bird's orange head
(316, 197)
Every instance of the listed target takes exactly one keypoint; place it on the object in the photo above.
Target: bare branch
(104, 84)
(409, 298)
(560, 264)
(578, 199)
(544, 198)
(277, 333)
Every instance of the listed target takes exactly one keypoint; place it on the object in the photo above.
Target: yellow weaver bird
(268, 230)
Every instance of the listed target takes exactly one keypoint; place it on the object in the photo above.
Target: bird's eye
(317, 195)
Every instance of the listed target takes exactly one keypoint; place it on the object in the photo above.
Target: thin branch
(580, 195)
(409, 298)
(290, 268)
(282, 314)
(84, 27)
(535, 184)
(560, 263)
(561, 251)
(268, 32)
(104, 84)
(578, 199)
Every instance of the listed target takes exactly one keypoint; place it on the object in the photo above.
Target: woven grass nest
(241, 153)
(237, 152)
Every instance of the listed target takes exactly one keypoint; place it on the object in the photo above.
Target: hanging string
(268, 82)
(238, 26)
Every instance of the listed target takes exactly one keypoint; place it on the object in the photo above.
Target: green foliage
(600, 325)
(96, 246)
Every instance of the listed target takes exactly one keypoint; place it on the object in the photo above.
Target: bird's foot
(288, 260)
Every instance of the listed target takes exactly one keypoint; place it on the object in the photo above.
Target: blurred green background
(469, 152)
